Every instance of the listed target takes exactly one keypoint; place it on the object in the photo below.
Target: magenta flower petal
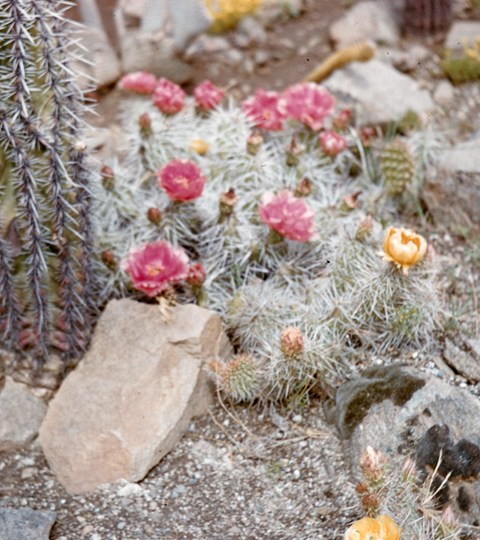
(182, 180)
(168, 97)
(288, 215)
(262, 108)
(207, 95)
(153, 267)
(140, 82)
(332, 143)
(307, 103)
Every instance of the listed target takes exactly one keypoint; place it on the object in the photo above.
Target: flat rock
(155, 53)
(189, 18)
(383, 93)
(462, 32)
(132, 396)
(463, 157)
(371, 20)
(464, 363)
(25, 524)
(20, 415)
(390, 408)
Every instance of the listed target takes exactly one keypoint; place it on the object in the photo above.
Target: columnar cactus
(427, 16)
(46, 246)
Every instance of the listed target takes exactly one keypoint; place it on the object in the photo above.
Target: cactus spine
(46, 270)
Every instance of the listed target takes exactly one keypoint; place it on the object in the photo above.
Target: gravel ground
(240, 476)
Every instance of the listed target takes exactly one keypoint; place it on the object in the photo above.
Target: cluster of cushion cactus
(268, 200)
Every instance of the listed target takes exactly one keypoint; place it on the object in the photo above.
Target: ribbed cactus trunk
(427, 16)
(45, 236)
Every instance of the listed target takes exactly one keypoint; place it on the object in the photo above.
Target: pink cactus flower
(262, 108)
(307, 103)
(168, 97)
(288, 215)
(196, 275)
(332, 143)
(153, 267)
(140, 82)
(181, 179)
(207, 95)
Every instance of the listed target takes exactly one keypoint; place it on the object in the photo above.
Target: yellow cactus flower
(403, 247)
(382, 528)
(199, 146)
(226, 13)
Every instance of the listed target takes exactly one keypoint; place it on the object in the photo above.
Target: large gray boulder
(133, 394)
(383, 93)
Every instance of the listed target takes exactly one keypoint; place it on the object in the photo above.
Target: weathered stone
(132, 12)
(155, 53)
(466, 364)
(25, 524)
(384, 94)
(397, 406)
(453, 197)
(464, 157)
(444, 93)
(371, 20)
(20, 415)
(461, 33)
(251, 29)
(103, 64)
(206, 44)
(189, 18)
(131, 397)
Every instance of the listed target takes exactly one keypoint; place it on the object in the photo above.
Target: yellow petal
(364, 529)
(389, 529)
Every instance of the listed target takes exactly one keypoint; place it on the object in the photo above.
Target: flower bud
(291, 342)
(370, 502)
(366, 134)
(293, 151)
(361, 488)
(199, 146)
(372, 463)
(304, 188)
(196, 275)
(227, 202)
(365, 228)
(108, 177)
(154, 215)
(108, 259)
(254, 141)
(350, 201)
(343, 119)
(145, 123)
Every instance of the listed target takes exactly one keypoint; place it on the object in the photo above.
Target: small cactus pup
(398, 167)
(46, 277)
(240, 378)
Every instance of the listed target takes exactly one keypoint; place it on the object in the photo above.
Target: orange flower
(382, 528)
(403, 247)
